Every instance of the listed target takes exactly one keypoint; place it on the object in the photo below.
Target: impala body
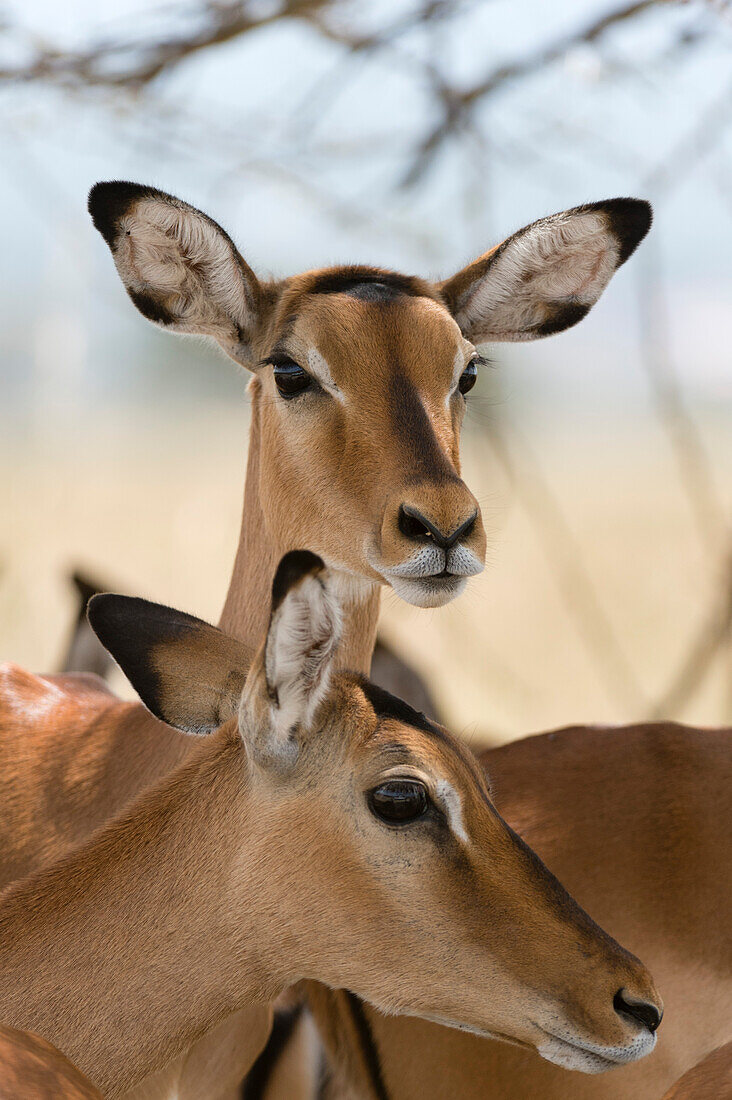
(34, 1069)
(322, 830)
(360, 378)
(633, 820)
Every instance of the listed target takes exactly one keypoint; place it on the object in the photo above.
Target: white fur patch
(453, 807)
(318, 366)
(430, 560)
(568, 258)
(589, 1057)
(301, 643)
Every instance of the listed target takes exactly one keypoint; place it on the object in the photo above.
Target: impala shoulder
(26, 694)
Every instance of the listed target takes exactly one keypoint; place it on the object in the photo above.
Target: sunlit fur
(380, 427)
(711, 1079)
(72, 775)
(233, 877)
(33, 1068)
(629, 818)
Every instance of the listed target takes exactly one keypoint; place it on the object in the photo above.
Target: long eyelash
(276, 359)
(483, 360)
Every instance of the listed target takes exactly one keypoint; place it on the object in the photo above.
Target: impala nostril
(414, 525)
(467, 528)
(643, 1012)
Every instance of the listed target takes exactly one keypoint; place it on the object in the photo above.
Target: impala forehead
(351, 344)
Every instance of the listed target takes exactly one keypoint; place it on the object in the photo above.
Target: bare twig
(134, 63)
(456, 105)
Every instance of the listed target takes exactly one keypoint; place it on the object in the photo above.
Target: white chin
(574, 1057)
(428, 591)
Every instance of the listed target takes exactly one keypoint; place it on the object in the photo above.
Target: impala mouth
(432, 591)
(588, 1057)
(431, 577)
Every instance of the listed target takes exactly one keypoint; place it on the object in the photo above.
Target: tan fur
(629, 819)
(197, 901)
(710, 1080)
(326, 482)
(32, 1069)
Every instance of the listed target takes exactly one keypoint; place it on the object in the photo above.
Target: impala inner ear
(547, 276)
(297, 659)
(186, 672)
(179, 267)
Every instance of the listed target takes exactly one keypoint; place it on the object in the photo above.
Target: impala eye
(290, 379)
(399, 801)
(468, 377)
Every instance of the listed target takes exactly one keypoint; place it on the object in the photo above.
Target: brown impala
(359, 386)
(32, 1069)
(635, 821)
(322, 830)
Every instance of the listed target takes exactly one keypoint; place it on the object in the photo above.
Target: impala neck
(246, 609)
(157, 926)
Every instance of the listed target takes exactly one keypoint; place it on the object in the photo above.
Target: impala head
(362, 375)
(387, 870)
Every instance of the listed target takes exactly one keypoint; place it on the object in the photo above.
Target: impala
(709, 1080)
(32, 1069)
(321, 830)
(635, 822)
(359, 384)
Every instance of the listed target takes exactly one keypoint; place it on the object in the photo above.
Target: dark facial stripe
(387, 705)
(369, 1050)
(412, 427)
(255, 1084)
(355, 280)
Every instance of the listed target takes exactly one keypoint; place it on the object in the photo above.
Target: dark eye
(399, 800)
(468, 377)
(291, 379)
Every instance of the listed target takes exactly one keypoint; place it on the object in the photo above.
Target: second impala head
(361, 374)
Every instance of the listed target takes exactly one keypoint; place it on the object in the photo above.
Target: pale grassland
(151, 504)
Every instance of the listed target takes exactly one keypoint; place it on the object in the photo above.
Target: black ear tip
(630, 220)
(293, 567)
(109, 201)
(103, 613)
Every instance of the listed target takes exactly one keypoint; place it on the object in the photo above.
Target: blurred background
(411, 134)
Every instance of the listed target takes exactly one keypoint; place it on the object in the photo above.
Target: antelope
(360, 378)
(634, 821)
(85, 653)
(321, 829)
(710, 1080)
(32, 1068)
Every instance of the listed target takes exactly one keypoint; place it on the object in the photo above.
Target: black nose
(416, 526)
(645, 1013)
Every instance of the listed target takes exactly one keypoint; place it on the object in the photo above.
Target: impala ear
(293, 673)
(189, 674)
(547, 276)
(178, 266)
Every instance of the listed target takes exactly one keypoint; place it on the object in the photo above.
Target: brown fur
(629, 819)
(32, 1069)
(197, 901)
(71, 776)
(710, 1080)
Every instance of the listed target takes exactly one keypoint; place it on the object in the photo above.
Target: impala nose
(414, 525)
(643, 1012)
